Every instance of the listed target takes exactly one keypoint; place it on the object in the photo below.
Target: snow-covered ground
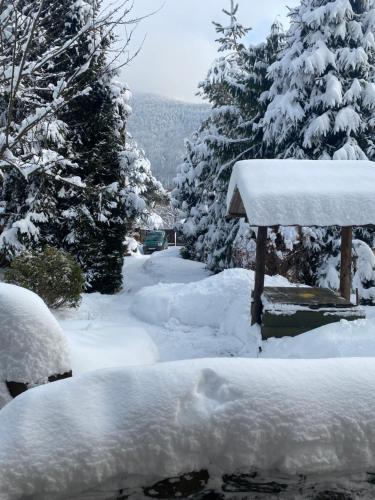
(137, 326)
(128, 418)
(172, 309)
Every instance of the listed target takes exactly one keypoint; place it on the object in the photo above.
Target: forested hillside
(160, 126)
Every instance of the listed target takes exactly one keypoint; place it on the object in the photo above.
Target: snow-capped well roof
(303, 192)
(32, 344)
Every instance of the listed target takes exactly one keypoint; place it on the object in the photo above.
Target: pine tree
(118, 179)
(234, 86)
(322, 93)
(89, 198)
(33, 166)
(322, 103)
(213, 144)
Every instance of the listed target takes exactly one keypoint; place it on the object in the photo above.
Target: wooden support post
(260, 270)
(346, 262)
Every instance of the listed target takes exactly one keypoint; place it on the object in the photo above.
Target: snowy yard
(193, 379)
(173, 309)
(155, 395)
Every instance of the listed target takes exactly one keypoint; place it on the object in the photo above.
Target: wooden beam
(237, 209)
(260, 270)
(346, 262)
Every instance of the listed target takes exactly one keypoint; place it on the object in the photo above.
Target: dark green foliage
(52, 274)
(96, 183)
(234, 87)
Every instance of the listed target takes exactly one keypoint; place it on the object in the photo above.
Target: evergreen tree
(213, 144)
(88, 200)
(32, 165)
(323, 96)
(119, 184)
(234, 87)
(322, 103)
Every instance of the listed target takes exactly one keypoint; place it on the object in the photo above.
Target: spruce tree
(93, 192)
(234, 86)
(36, 168)
(322, 94)
(322, 103)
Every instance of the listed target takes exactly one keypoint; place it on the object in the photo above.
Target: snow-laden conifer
(234, 87)
(323, 95)
(321, 106)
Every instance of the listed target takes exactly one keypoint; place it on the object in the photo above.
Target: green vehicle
(155, 241)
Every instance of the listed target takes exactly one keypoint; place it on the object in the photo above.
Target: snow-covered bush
(52, 274)
(33, 349)
(130, 246)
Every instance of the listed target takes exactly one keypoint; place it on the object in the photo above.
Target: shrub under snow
(32, 345)
(52, 274)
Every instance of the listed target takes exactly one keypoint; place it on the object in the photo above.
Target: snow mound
(169, 267)
(221, 301)
(223, 415)
(131, 246)
(32, 345)
(337, 340)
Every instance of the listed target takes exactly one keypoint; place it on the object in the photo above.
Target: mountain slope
(160, 126)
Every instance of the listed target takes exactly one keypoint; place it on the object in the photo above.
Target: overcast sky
(179, 45)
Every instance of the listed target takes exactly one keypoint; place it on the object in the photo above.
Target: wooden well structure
(302, 193)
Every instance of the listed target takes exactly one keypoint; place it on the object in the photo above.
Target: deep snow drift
(133, 426)
(218, 303)
(172, 309)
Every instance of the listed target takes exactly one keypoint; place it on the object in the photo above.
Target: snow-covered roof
(303, 192)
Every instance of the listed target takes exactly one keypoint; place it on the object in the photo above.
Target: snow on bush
(52, 274)
(221, 301)
(131, 246)
(225, 416)
(32, 345)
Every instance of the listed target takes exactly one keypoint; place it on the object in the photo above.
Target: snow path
(104, 332)
(172, 309)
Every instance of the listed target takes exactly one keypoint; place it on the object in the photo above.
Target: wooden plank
(237, 209)
(260, 269)
(302, 321)
(303, 296)
(346, 262)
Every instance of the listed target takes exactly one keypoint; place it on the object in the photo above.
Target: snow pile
(337, 340)
(304, 192)
(32, 345)
(221, 301)
(168, 266)
(131, 246)
(295, 417)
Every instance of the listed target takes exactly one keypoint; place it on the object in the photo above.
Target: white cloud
(180, 46)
